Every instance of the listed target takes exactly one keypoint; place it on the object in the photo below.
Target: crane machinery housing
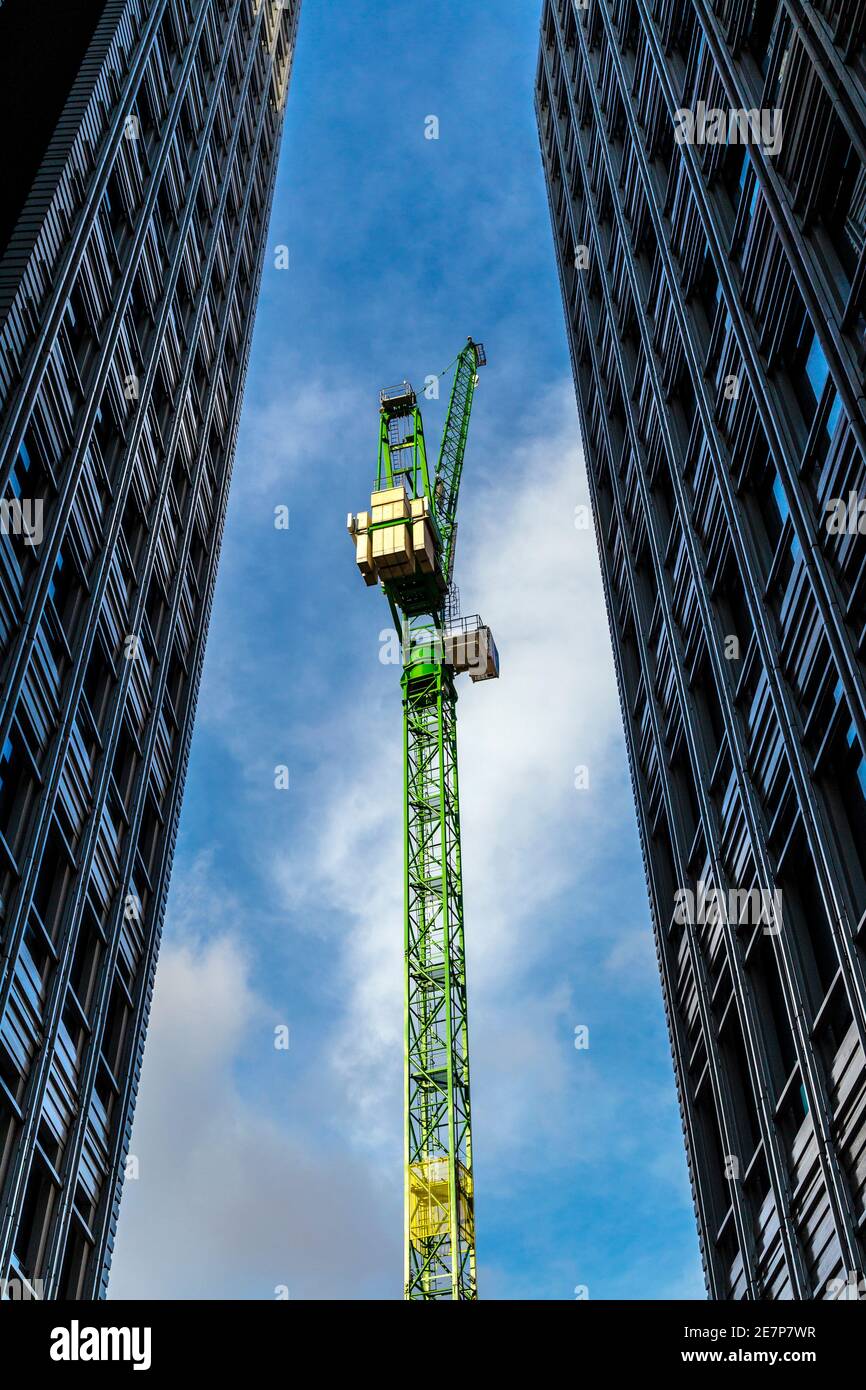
(405, 543)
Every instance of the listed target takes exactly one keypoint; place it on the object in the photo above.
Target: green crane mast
(406, 544)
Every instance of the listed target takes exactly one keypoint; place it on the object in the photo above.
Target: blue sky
(262, 1168)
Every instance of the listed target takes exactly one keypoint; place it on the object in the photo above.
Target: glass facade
(715, 302)
(128, 283)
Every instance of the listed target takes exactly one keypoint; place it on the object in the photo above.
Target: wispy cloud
(232, 1198)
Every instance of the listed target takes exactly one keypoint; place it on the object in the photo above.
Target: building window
(75, 1262)
(32, 1235)
(17, 787)
(53, 882)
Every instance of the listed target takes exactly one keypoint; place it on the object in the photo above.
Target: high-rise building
(140, 143)
(705, 169)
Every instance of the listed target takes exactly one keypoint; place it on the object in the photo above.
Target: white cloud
(234, 1199)
(632, 958)
(279, 463)
(281, 433)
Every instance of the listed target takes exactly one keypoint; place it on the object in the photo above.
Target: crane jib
(453, 449)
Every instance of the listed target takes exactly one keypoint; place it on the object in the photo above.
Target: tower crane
(405, 543)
